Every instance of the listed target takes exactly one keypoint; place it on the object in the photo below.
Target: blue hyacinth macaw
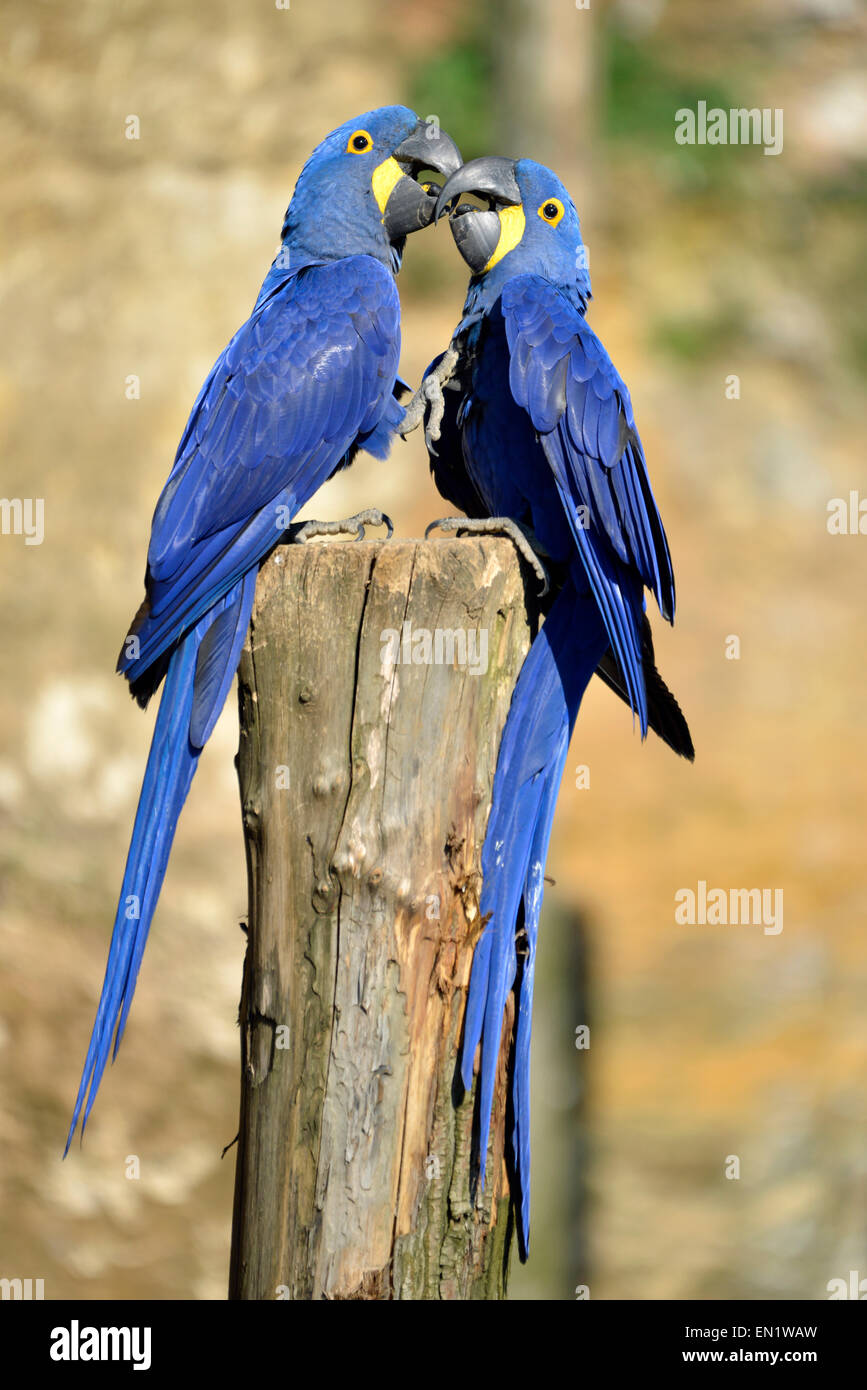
(309, 379)
(537, 437)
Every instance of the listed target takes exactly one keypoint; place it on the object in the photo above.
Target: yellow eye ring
(359, 142)
(551, 211)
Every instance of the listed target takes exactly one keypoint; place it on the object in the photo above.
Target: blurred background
(729, 288)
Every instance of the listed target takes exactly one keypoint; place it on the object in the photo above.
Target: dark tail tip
(666, 718)
(664, 715)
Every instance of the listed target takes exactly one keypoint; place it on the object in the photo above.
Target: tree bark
(365, 785)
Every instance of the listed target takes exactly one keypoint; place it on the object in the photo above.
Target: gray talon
(372, 516)
(493, 526)
(428, 403)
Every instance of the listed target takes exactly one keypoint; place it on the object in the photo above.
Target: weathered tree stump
(373, 691)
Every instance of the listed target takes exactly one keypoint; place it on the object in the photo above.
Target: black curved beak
(412, 203)
(476, 231)
(491, 176)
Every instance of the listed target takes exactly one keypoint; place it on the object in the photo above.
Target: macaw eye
(551, 211)
(359, 143)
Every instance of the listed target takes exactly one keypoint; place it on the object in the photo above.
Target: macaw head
(363, 190)
(530, 225)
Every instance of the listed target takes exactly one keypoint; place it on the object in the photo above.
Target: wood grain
(365, 787)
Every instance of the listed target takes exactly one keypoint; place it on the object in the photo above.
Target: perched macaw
(309, 379)
(537, 437)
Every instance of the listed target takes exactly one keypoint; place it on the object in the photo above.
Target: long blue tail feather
(534, 888)
(530, 764)
(193, 687)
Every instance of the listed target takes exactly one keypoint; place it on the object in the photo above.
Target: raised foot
(496, 526)
(372, 516)
(428, 403)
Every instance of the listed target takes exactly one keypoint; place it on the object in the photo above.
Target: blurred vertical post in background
(543, 99)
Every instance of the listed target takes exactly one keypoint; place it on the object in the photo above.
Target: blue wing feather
(563, 381)
(559, 367)
(324, 376)
(308, 377)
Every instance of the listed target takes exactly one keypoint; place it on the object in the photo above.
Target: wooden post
(373, 691)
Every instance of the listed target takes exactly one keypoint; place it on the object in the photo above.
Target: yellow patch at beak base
(512, 223)
(385, 176)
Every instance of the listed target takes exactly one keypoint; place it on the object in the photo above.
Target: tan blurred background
(139, 258)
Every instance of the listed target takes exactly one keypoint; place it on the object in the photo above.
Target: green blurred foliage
(455, 82)
(640, 89)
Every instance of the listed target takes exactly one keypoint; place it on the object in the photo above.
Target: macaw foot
(372, 516)
(497, 526)
(428, 404)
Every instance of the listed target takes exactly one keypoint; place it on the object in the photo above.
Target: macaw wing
(311, 370)
(580, 407)
(314, 364)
